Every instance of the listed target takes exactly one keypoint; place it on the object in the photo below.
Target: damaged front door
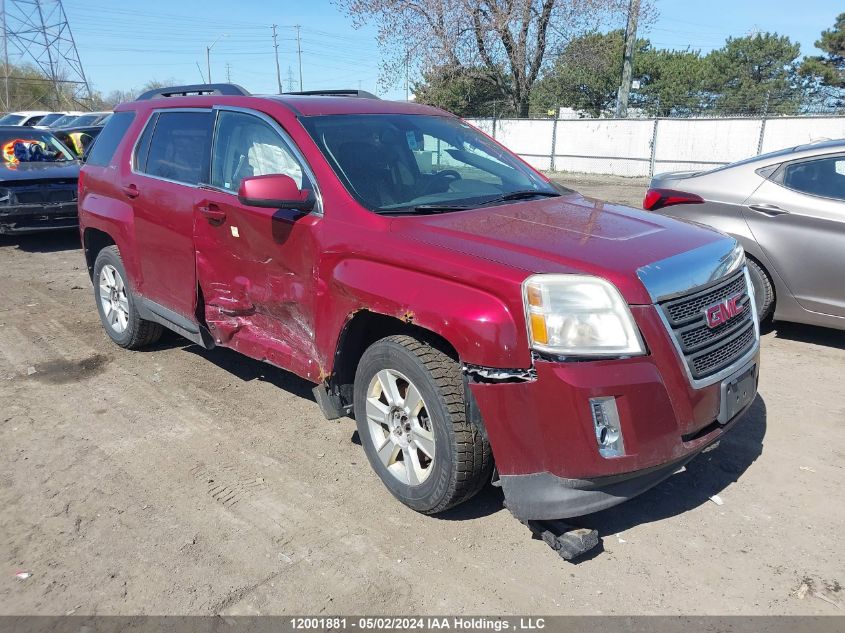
(255, 265)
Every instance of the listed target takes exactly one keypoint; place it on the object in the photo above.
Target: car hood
(567, 234)
(21, 172)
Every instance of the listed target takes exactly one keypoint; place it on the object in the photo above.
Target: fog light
(608, 429)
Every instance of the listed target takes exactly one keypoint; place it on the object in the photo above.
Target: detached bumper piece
(568, 541)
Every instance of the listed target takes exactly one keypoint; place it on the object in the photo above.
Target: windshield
(65, 120)
(405, 162)
(32, 146)
(12, 119)
(47, 120)
(86, 119)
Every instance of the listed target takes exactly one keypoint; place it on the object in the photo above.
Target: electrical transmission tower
(37, 33)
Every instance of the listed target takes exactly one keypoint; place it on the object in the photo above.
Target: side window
(142, 147)
(109, 138)
(824, 177)
(247, 146)
(180, 147)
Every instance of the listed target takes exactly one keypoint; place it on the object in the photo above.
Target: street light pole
(276, 48)
(208, 56)
(299, 54)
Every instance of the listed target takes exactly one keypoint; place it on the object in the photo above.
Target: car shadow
(47, 242)
(705, 476)
(813, 334)
(248, 369)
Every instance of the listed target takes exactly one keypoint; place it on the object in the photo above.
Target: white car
(26, 118)
(51, 118)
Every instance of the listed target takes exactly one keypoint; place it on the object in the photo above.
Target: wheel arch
(363, 328)
(94, 241)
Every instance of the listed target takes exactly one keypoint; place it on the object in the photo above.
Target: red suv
(478, 321)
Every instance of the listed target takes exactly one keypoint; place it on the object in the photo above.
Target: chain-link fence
(643, 147)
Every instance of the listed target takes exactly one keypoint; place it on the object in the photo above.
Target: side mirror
(275, 191)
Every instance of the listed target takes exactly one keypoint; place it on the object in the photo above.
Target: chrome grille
(687, 308)
(709, 350)
(723, 355)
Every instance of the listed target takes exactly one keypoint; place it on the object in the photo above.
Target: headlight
(579, 315)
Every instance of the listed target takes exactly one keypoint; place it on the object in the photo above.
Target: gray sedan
(787, 209)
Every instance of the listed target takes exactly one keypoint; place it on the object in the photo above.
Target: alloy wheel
(400, 427)
(113, 299)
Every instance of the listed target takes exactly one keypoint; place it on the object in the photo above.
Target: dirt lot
(181, 481)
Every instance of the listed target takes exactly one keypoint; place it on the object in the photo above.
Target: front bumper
(32, 218)
(541, 496)
(543, 437)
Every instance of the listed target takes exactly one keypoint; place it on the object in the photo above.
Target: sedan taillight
(658, 198)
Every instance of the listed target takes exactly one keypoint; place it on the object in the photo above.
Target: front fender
(482, 327)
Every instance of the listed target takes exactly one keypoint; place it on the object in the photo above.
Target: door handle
(770, 210)
(212, 212)
(131, 191)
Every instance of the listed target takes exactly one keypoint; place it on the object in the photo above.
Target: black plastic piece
(361, 94)
(568, 541)
(330, 403)
(195, 90)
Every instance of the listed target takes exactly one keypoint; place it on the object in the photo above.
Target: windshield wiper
(424, 208)
(522, 195)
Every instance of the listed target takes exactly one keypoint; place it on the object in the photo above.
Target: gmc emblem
(721, 312)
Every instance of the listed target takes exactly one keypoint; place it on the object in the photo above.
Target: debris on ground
(23, 575)
(31, 370)
(717, 500)
(567, 540)
(808, 587)
(806, 468)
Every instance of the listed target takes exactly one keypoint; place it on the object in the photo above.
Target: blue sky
(124, 43)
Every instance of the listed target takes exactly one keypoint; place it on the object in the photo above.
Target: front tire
(764, 292)
(116, 303)
(411, 417)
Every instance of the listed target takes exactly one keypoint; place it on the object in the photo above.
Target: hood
(568, 234)
(23, 172)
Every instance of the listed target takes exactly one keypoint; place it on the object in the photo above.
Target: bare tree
(510, 41)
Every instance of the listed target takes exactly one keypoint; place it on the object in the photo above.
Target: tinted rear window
(180, 148)
(106, 144)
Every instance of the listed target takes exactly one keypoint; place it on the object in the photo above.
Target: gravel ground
(183, 481)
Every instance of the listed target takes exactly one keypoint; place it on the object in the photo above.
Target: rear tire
(764, 292)
(410, 409)
(116, 303)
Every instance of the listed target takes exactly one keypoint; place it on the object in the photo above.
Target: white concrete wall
(781, 133)
(687, 144)
(604, 146)
(531, 139)
(622, 147)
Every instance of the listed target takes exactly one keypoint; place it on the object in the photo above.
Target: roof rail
(361, 94)
(194, 90)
